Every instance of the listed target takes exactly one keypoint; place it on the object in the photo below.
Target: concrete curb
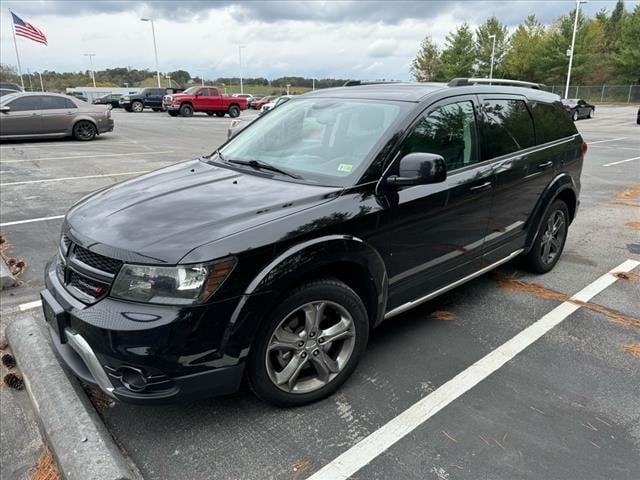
(80, 442)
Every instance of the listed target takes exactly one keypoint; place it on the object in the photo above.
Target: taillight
(584, 147)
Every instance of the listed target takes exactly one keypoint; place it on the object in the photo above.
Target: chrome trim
(82, 348)
(415, 303)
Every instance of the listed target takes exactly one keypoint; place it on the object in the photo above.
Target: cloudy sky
(340, 39)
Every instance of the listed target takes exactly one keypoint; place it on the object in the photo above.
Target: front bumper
(141, 353)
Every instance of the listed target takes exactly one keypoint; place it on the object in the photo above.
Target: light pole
(313, 84)
(240, 47)
(168, 77)
(573, 44)
(93, 73)
(41, 84)
(155, 47)
(288, 86)
(493, 55)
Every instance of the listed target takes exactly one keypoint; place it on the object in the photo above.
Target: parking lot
(563, 406)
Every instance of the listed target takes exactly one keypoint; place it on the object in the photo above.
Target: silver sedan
(51, 115)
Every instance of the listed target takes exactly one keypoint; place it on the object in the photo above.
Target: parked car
(147, 98)
(112, 99)
(263, 101)
(248, 97)
(274, 103)
(254, 100)
(78, 96)
(204, 99)
(10, 86)
(578, 108)
(274, 257)
(6, 91)
(51, 115)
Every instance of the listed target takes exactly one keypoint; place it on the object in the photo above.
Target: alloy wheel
(137, 107)
(85, 131)
(310, 347)
(553, 237)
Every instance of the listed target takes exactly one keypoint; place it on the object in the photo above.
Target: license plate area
(54, 314)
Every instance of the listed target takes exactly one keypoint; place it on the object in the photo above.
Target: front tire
(550, 239)
(234, 111)
(186, 110)
(84, 131)
(137, 106)
(309, 345)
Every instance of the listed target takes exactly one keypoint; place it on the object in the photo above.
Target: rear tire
(219, 114)
(137, 106)
(550, 239)
(186, 110)
(309, 344)
(84, 131)
(210, 114)
(234, 111)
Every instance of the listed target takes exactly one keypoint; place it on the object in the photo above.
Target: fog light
(133, 379)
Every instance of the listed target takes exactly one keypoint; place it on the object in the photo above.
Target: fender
(286, 272)
(558, 186)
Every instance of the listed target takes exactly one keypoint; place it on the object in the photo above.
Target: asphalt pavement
(564, 406)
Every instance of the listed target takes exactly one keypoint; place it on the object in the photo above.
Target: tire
(591, 112)
(156, 109)
(546, 251)
(574, 116)
(137, 106)
(320, 366)
(234, 111)
(173, 113)
(219, 114)
(84, 131)
(186, 110)
(210, 114)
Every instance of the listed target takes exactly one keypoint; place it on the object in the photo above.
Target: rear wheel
(137, 106)
(210, 114)
(309, 345)
(550, 239)
(186, 110)
(219, 114)
(84, 130)
(234, 111)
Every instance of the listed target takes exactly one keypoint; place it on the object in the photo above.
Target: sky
(321, 39)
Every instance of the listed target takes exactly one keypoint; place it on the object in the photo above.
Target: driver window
(449, 131)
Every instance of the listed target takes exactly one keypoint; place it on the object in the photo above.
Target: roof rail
(354, 83)
(460, 82)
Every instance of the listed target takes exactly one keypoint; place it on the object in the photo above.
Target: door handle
(545, 165)
(480, 188)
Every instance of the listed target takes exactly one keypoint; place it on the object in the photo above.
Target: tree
(458, 56)
(626, 57)
(427, 67)
(484, 47)
(181, 77)
(523, 59)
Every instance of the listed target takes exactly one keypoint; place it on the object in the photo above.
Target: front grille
(97, 261)
(66, 241)
(87, 285)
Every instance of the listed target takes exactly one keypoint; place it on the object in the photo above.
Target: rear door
(216, 100)
(435, 232)
(57, 114)
(24, 118)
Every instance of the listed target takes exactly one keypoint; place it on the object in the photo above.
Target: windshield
(191, 90)
(322, 140)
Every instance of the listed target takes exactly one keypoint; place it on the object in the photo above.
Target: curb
(80, 442)
(6, 279)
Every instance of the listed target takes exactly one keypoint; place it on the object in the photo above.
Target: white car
(278, 101)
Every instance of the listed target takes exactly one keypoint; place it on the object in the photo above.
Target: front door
(23, 118)
(436, 232)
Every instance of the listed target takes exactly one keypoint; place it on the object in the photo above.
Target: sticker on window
(345, 167)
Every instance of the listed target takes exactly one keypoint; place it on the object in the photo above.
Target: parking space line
(610, 140)
(21, 146)
(620, 161)
(31, 220)
(362, 453)
(62, 179)
(23, 307)
(84, 156)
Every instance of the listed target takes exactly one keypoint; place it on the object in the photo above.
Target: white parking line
(85, 156)
(386, 436)
(620, 161)
(610, 140)
(31, 220)
(23, 307)
(73, 178)
(21, 146)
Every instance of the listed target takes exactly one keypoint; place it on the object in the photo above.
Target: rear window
(507, 127)
(552, 122)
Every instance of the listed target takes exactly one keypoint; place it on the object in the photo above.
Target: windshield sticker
(345, 167)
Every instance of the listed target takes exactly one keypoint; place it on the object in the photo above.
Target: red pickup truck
(203, 99)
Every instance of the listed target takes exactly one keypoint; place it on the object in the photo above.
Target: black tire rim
(310, 347)
(85, 131)
(553, 237)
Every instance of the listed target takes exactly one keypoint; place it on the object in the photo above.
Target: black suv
(147, 98)
(275, 256)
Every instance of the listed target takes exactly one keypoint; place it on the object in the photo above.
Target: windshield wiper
(258, 165)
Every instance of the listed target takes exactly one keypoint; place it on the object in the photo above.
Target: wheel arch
(84, 118)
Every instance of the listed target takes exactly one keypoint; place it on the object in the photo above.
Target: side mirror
(5, 109)
(419, 169)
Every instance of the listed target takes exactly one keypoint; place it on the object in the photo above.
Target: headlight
(126, 97)
(180, 285)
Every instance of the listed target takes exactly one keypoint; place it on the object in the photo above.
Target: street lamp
(493, 55)
(93, 73)
(288, 86)
(240, 47)
(573, 44)
(155, 48)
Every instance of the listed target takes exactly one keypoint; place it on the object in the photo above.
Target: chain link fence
(601, 93)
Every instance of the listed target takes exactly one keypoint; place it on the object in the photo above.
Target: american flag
(26, 30)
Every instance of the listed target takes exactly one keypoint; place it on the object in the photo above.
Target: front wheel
(550, 239)
(137, 106)
(84, 130)
(309, 345)
(186, 110)
(234, 111)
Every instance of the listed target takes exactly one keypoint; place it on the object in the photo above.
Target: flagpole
(15, 44)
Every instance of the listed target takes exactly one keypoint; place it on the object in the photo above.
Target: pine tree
(484, 47)
(458, 56)
(427, 67)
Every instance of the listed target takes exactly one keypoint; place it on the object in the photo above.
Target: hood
(163, 215)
